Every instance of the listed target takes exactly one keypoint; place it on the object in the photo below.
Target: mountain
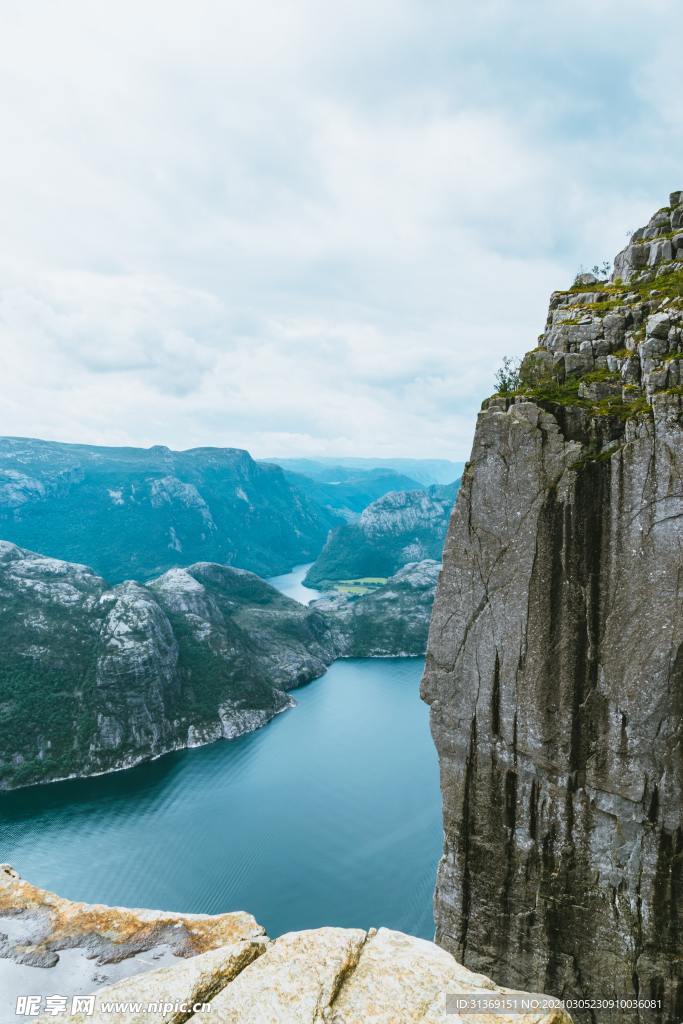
(345, 497)
(133, 512)
(401, 527)
(424, 471)
(94, 677)
(555, 659)
(390, 620)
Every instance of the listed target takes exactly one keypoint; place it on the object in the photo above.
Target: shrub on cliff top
(508, 376)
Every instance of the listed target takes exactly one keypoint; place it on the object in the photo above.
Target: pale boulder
(401, 979)
(295, 982)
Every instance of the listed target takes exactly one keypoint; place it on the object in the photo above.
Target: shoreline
(194, 745)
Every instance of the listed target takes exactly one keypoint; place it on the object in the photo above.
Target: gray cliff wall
(555, 662)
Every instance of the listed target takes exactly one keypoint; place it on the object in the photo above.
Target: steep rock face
(94, 678)
(401, 527)
(555, 659)
(134, 512)
(341, 975)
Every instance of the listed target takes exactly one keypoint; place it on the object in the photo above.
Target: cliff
(340, 975)
(555, 658)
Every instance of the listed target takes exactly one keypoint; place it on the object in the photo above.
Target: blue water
(328, 815)
(291, 584)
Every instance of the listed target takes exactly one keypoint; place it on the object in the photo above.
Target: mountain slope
(389, 621)
(425, 471)
(94, 678)
(401, 527)
(555, 658)
(132, 512)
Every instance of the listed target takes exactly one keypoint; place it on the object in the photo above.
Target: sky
(306, 228)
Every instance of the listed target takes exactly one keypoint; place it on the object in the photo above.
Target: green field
(361, 585)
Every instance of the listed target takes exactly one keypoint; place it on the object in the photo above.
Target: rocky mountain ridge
(103, 677)
(132, 513)
(555, 658)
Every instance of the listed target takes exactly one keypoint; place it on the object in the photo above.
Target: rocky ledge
(334, 975)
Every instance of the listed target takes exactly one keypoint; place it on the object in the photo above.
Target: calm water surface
(328, 815)
(291, 584)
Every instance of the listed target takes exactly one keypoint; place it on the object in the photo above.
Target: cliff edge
(222, 969)
(555, 659)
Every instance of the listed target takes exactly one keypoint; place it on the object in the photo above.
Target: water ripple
(328, 815)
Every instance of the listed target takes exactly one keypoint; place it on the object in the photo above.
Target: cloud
(307, 228)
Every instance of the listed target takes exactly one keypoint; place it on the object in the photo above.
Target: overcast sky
(310, 228)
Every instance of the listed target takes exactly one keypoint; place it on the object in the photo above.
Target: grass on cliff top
(552, 392)
(666, 236)
(667, 286)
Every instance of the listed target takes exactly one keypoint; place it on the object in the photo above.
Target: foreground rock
(51, 945)
(340, 975)
(94, 678)
(555, 661)
(390, 621)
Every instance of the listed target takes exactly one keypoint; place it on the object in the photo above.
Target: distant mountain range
(169, 641)
(133, 513)
(352, 493)
(331, 469)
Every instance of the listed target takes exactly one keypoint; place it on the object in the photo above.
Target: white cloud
(309, 228)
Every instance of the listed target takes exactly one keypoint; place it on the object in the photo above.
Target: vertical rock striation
(555, 662)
